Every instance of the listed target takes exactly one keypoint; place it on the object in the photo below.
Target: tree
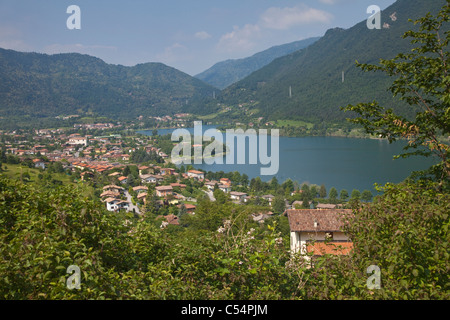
(366, 195)
(356, 194)
(278, 204)
(422, 81)
(220, 196)
(405, 233)
(288, 186)
(152, 205)
(314, 192)
(323, 192)
(273, 184)
(306, 193)
(126, 171)
(182, 211)
(333, 194)
(344, 194)
(244, 180)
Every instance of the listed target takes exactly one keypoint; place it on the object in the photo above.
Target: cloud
(240, 39)
(202, 35)
(244, 39)
(286, 18)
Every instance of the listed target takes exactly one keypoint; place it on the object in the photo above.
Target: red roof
(334, 248)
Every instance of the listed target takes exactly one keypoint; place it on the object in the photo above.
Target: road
(210, 195)
(131, 205)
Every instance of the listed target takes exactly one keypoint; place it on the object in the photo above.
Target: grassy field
(15, 171)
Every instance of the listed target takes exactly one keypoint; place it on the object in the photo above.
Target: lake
(343, 163)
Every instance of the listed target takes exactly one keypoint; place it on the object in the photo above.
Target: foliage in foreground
(43, 232)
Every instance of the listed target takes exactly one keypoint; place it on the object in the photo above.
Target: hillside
(50, 85)
(225, 73)
(315, 73)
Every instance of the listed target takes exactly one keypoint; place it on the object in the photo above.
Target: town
(132, 172)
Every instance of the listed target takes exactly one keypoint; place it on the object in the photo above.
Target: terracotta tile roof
(164, 188)
(140, 188)
(172, 219)
(142, 195)
(188, 206)
(110, 194)
(195, 172)
(335, 248)
(112, 186)
(326, 220)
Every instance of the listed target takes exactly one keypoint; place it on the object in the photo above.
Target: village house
(238, 196)
(164, 191)
(123, 180)
(147, 170)
(225, 188)
(171, 219)
(318, 232)
(140, 189)
(110, 194)
(211, 184)
(114, 188)
(78, 141)
(190, 208)
(178, 185)
(195, 174)
(225, 182)
(269, 198)
(142, 196)
(148, 178)
(38, 163)
(167, 171)
(113, 204)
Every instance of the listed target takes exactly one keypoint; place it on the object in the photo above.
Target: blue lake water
(343, 163)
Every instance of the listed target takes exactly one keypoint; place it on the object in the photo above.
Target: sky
(190, 35)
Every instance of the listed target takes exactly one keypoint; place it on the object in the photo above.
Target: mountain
(225, 73)
(313, 75)
(48, 85)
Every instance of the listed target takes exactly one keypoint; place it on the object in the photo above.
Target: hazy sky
(190, 35)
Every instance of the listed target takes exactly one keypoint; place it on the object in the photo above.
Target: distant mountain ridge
(313, 83)
(47, 85)
(225, 73)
